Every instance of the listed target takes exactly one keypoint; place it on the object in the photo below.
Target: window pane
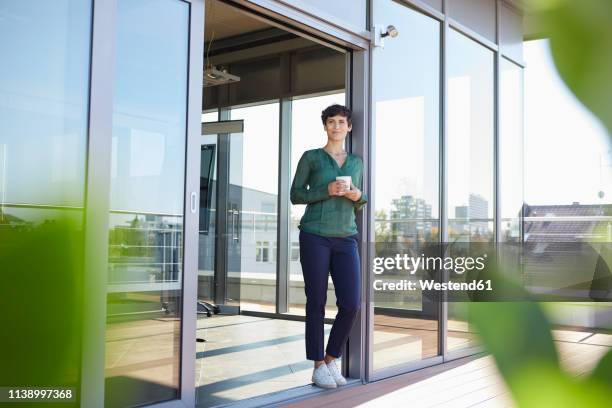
(147, 184)
(470, 129)
(254, 179)
(406, 87)
(470, 159)
(511, 150)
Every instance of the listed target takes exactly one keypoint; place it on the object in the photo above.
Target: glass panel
(405, 321)
(307, 133)
(510, 150)
(254, 155)
(44, 89)
(44, 101)
(146, 220)
(405, 86)
(208, 217)
(470, 158)
(209, 157)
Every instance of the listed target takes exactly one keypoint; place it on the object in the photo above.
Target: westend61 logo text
(409, 263)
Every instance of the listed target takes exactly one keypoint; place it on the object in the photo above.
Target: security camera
(380, 32)
(391, 32)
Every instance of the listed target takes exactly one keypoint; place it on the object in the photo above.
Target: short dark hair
(334, 110)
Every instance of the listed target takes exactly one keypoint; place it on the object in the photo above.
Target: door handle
(236, 214)
(194, 202)
(233, 233)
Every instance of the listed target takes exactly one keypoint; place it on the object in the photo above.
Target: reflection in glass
(510, 150)
(44, 100)
(405, 322)
(406, 76)
(466, 230)
(470, 132)
(470, 159)
(146, 219)
(306, 133)
(44, 90)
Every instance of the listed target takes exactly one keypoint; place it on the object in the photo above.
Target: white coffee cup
(346, 180)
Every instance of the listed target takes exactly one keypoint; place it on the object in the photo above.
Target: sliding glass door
(152, 203)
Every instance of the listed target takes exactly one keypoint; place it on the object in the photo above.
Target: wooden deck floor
(468, 382)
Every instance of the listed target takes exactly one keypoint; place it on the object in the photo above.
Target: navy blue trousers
(319, 256)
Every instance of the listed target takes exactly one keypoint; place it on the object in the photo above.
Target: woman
(328, 241)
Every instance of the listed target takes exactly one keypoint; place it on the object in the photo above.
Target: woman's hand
(336, 188)
(354, 194)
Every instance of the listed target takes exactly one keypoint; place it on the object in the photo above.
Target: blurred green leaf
(580, 35)
(519, 337)
(41, 299)
(516, 333)
(541, 385)
(603, 370)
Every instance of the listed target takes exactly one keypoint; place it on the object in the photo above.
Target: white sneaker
(334, 370)
(323, 378)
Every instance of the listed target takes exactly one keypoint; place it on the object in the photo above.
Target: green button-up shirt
(332, 216)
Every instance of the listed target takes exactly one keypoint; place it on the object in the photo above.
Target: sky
(568, 156)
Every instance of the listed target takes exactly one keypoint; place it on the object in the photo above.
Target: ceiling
(223, 21)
